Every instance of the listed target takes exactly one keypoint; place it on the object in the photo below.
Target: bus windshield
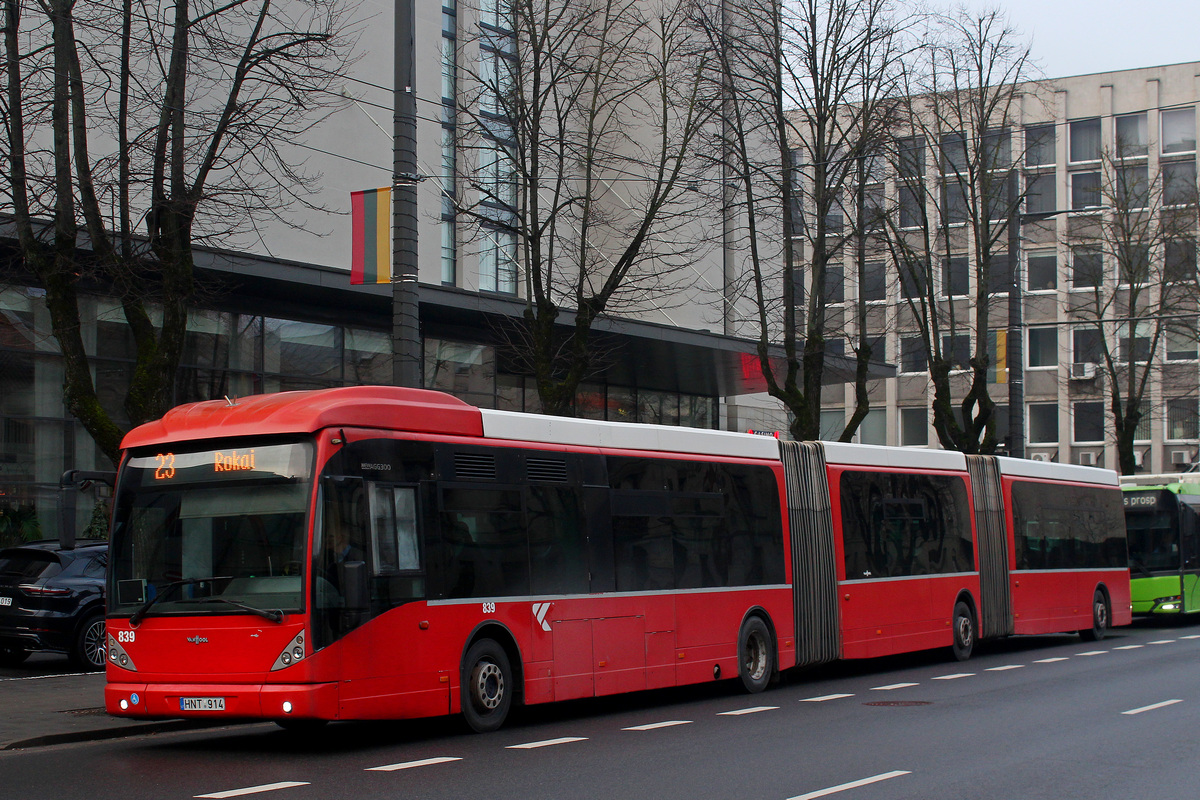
(1152, 524)
(211, 531)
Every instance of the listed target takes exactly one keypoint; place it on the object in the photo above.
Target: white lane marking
(266, 787)
(1193, 636)
(824, 698)
(1054, 660)
(546, 743)
(1163, 641)
(424, 762)
(742, 711)
(1005, 667)
(43, 677)
(954, 677)
(852, 785)
(1163, 704)
(1092, 653)
(892, 686)
(1130, 647)
(653, 726)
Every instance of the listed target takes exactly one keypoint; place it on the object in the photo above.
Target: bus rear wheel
(756, 655)
(487, 686)
(964, 631)
(1099, 627)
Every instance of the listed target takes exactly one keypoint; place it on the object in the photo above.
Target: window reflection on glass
(1178, 131)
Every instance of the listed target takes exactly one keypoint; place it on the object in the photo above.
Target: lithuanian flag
(371, 214)
(998, 345)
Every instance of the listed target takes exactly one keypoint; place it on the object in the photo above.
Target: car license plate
(5, 601)
(202, 704)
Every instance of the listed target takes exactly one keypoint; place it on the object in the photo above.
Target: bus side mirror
(355, 587)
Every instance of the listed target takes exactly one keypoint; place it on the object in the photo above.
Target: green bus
(1162, 517)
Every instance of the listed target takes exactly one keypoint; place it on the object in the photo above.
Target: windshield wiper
(273, 615)
(165, 590)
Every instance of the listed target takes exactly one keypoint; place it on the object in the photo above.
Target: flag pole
(406, 334)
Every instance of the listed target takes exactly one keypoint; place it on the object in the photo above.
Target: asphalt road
(1028, 718)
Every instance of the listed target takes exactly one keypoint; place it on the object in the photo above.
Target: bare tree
(1134, 272)
(179, 122)
(578, 134)
(806, 95)
(950, 236)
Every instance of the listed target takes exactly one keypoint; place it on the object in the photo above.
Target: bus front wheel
(756, 655)
(487, 686)
(1099, 619)
(964, 631)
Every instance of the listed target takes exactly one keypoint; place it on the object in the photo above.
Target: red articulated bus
(383, 553)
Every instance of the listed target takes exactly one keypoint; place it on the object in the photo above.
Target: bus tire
(963, 628)
(487, 686)
(756, 655)
(1099, 627)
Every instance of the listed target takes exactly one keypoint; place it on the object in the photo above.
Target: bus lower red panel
(885, 617)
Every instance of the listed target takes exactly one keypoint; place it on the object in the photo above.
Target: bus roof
(1044, 470)
(1178, 482)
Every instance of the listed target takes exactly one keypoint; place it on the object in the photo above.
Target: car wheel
(91, 649)
(11, 655)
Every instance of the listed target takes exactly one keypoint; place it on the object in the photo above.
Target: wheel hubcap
(756, 657)
(1101, 614)
(489, 685)
(964, 631)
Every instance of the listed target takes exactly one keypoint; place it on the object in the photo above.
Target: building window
(912, 282)
(1041, 193)
(498, 262)
(1085, 140)
(449, 253)
(1179, 182)
(1039, 146)
(1085, 191)
(1178, 131)
(955, 207)
(1000, 277)
(1088, 422)
(957, 348)
(1134, 348)
(1087, 265)
(1181, 341)
(955, 277)
(910, 180)
(913, 356)
(1179, 261)
(1087, 346)
(1043, 423)
(835, 284)
(1182, 418)
(1132, 140)
(874, 281)
(873, 428)
(833, 422)
(1133, 187)
(1042, 272)
(914, 427)
(1043, 347)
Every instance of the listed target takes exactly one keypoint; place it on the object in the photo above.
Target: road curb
(99, 734)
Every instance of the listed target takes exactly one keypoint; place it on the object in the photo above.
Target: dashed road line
(424, 762)
(1054, 660)
(892, 686)
(1092, 653)
(825, 698)
(1005, 668)
(1193, 636)
(1130, 647)
(954, 677)
(1163, 641)
(546, 743)
(266, 787)
(1154, 707)
(851, 785)
(739, 712)
(653, 726)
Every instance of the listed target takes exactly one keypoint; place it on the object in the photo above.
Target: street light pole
(406, 333)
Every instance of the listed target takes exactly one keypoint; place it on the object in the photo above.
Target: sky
(1078, 37)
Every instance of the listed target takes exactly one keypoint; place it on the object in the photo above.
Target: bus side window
(395, 543)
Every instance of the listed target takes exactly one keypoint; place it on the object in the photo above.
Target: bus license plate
(202, 704)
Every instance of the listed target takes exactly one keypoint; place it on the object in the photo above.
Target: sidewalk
(44, 709)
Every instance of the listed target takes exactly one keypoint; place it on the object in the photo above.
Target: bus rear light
(292, 654)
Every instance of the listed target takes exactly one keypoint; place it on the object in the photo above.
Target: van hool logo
(198, 639)
(233, 461)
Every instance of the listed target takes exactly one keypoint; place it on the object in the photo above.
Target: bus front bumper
(216, 701)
